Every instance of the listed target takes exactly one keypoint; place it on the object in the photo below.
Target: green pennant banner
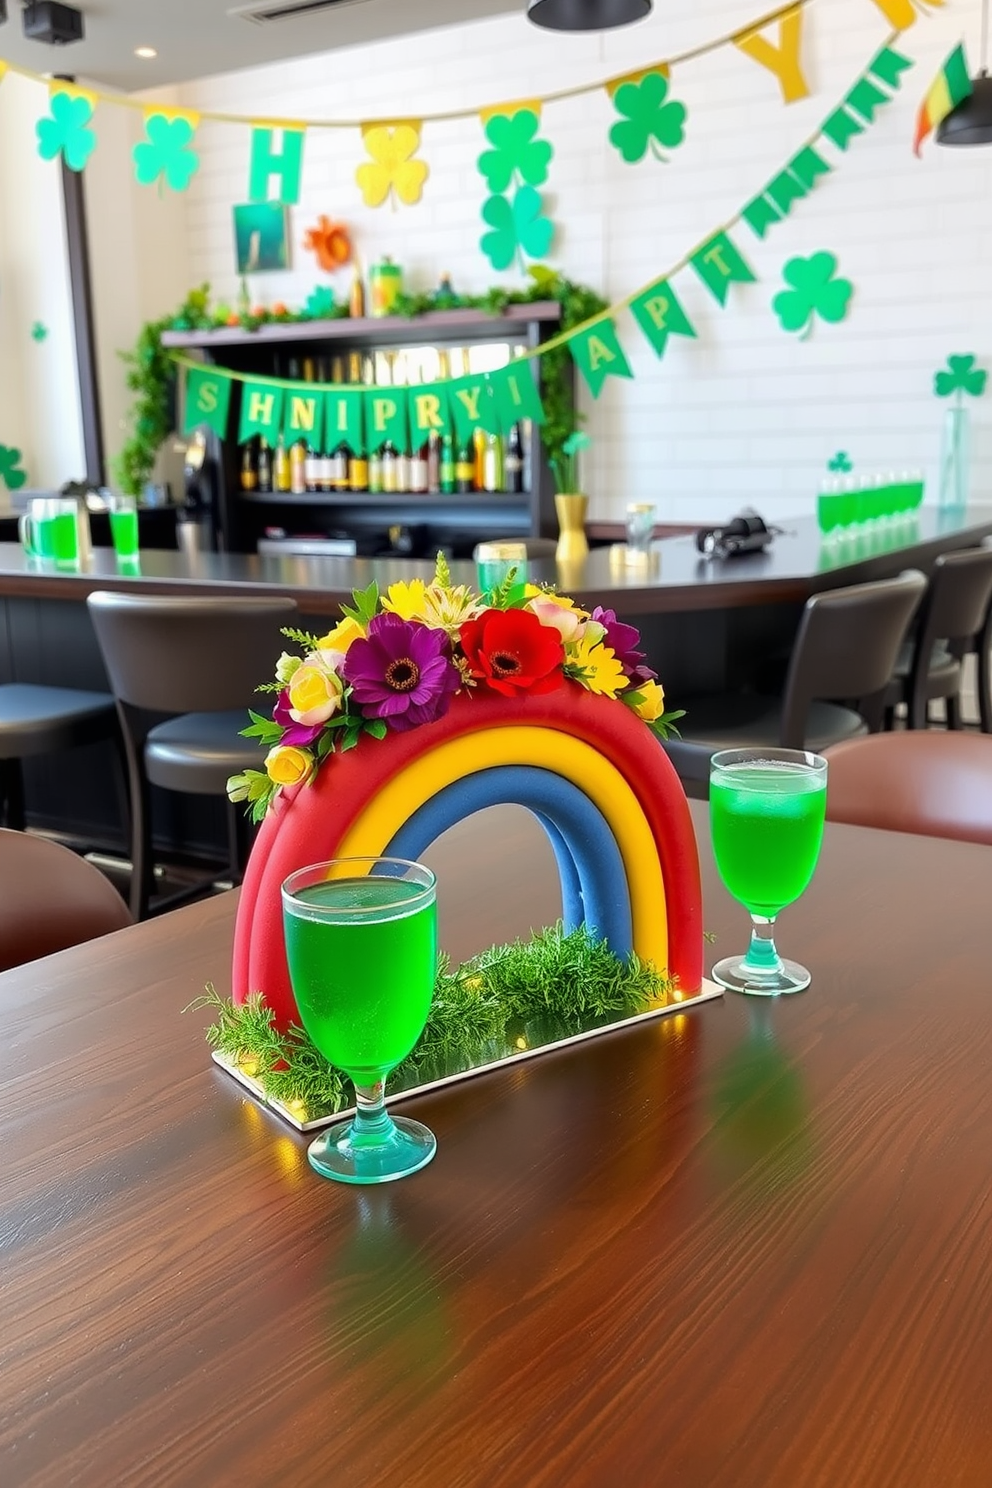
(719, 265)
(208, 397)
(429, 411)
(599, 355)
(889, 66)
(344, 423)
(784, 191)
(385, 418)
(808, 167)
(865, 99)
(285, 165)
(261, 411)
(303, 416)
(841, 128)
(760, 215)
(514, 391)
(659, 315)
(470, 402)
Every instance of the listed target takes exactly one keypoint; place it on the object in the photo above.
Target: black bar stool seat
(36, 720)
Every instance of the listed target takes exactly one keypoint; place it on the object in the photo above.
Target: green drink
(766, 816)
(65, 538)
(124, 531)
(363, 982)
(361, 944)
(767, 823)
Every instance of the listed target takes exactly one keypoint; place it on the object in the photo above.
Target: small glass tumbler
(494, 560)
(123, 512)
(640, 528)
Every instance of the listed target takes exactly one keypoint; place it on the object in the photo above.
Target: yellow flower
(405, 600)
(341, 637)
(287, 765)
(600, 671)
(314, 693)
(652, 703)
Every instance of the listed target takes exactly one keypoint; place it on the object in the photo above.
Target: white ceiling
(198, 38)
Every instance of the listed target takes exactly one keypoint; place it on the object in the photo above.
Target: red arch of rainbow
(307, 824)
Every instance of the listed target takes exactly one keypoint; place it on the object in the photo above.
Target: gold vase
(571, 508)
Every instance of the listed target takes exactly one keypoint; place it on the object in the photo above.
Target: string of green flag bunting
(367, 417)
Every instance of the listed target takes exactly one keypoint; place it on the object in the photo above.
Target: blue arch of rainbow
(590, 770)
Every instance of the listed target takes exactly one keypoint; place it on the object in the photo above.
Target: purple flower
(622, 640)
(300, 734)
(402, 672)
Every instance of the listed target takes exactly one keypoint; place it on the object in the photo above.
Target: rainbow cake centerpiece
(420, 707)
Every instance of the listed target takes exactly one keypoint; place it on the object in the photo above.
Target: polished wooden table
(746, 1246)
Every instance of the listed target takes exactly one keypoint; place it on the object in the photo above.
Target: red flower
(512, 652)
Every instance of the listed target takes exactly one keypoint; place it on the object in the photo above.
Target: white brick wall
(745, 413)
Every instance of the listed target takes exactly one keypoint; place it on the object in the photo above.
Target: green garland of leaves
(152, 373)
(509, 998)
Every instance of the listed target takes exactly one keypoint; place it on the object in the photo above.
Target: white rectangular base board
(707, 992)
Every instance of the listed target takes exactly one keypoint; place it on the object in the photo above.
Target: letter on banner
(261, 411)
(286, 166)
(207, 399)
(598, 355)
(719, 265)
(783, 60)
(902, 13)
(659, 315)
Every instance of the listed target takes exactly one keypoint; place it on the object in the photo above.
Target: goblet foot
(399, 1148)
(737, 974)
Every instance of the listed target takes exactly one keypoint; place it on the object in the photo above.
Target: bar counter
(706, 624)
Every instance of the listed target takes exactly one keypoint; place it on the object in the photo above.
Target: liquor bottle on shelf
(464, 469)
(298, 468)
(356, 298)
(340, 451)
(249, 467)
(398, 376)
(358, 465)
(492, 463)
(264, 465)
(417, 471)
(433, 462)
(390, 469)
(514, 461)
(479, 460)
(280, 466)
(311, 458)
(446, 481)
(375, 472)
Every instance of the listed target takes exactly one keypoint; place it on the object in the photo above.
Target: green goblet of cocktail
(766, 817)
(361, 943)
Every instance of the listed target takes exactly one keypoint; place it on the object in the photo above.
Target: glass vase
(954, 458)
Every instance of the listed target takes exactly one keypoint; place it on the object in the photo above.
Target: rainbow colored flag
(951, 86)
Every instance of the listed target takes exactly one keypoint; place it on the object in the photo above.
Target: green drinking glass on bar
(123, 512)
(767, 809)
(361, 943)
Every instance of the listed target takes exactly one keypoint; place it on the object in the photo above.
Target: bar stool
(846, 648)
(36, 720)
(184, 673)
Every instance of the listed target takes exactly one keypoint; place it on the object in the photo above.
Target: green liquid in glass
(766, 822)
(124, 531)
(363, 981)
(65, 538)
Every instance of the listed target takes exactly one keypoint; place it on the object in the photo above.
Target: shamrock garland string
(647, 120)
(66, 131)
(813, 292)
(517, 159)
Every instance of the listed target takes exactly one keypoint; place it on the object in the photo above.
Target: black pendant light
(586, 15)
(971, 122)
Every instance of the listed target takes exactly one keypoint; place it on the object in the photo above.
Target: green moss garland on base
(507, 999)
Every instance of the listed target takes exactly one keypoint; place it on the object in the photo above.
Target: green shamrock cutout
(814, 291)
(649, 121)
(840, 461)
(39, 332)
(65, 132)
(166, 152)
(515, 152)
(518, 228)
(11, 473)
(962, 377)
(320, 302)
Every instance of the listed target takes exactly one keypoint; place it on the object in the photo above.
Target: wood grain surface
(743, 1247)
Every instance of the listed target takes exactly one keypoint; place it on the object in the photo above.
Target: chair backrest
(934, 782)
(957, 600)
(847, 646)
(188, 655)
(51, 899)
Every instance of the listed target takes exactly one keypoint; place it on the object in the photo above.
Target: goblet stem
(372, 1121)
(762, 958)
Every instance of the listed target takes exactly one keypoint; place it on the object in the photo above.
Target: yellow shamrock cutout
(391, 147)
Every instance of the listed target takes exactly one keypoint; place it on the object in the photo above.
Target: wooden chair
(846, 648)
(929, 781)
(51, 899)
(184, 673)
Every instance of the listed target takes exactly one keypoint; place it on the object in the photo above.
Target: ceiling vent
(265, 12)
